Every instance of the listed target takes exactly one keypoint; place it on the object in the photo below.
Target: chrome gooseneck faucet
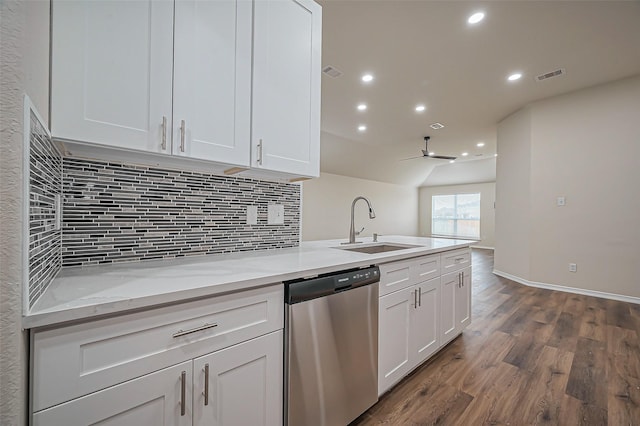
(372, 215)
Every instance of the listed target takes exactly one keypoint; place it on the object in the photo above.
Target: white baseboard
(482, 247)
(575, 290)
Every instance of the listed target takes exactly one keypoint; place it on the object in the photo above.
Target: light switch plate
(275, 214)
(252, 215)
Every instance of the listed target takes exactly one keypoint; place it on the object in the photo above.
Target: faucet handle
(360, 231)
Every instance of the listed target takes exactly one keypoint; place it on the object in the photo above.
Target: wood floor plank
(565, 333)
(588, 373)
(576, 412)
(540, 398)
(527, 349)
(593, 324)
(623, 395)
(529, 357)
(619, 315)
(575, 304)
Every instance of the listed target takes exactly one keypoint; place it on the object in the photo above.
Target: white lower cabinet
(408, 331)
(154, 399)
(239, 385)
(213, 361)
(455, 312)
(417, 318)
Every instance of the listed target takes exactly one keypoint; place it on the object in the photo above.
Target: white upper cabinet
(111, 72)
(212, 80)
(287, 44)
(236, 82)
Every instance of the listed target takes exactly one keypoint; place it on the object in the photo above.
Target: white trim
(482, 247)
(594, 293)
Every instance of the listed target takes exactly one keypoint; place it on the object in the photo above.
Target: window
(456, 215)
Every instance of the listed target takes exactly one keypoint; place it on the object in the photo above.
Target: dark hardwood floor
(530, 357)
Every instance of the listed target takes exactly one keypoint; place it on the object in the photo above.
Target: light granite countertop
(83, 293)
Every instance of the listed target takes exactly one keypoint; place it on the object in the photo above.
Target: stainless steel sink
(377, 248)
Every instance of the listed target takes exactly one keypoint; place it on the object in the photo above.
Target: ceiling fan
(425, 152)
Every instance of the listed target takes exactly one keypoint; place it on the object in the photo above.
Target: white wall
(24, 68)
(513, 210)
(326, 207)
(487, 212)
(584, 146)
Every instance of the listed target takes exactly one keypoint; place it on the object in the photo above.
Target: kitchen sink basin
(377, 248)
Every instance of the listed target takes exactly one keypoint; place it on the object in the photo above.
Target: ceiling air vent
(331, 71)
(551, 74)
(436, 126)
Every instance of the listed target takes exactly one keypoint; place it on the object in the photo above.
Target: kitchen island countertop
(82, 293)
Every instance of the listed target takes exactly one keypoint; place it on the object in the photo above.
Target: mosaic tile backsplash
(116, 212)
(45, 173)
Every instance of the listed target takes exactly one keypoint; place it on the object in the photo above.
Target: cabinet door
(111, 72)
(448, 322)
(463, 300)
(212, 80)
(394, 339)
(425, 337)
(286, 86)
(244, 384)
(154, 399)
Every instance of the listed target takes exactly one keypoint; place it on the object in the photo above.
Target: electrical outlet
(561, 201)
(252, 215)
(275, 214)
(573, 267)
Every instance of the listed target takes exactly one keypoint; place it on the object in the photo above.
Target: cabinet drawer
(426, 268)
(69, 362)
(455, 260)
(395, 276)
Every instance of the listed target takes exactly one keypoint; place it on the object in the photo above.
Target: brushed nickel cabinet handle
(206, 384)
(260, 153)
(193, 330)
(462, 278)
(419, 296)
(182, 131)
(164, 133)
(183, 393)
(415, 299)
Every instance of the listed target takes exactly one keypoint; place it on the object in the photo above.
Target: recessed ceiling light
(464, 154)
(431, 154)
(420, 108)
(514, 76)
(452, 161)
(480, 144)
(362, 107)
(362, 128)
(367, 78)
(495, 155)
(475, 18)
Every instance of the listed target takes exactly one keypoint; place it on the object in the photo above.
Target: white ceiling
(425, 52)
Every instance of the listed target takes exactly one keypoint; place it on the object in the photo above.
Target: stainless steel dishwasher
(331, 348)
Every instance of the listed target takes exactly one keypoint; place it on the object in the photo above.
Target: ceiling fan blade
(410, 158)
(442, 157)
